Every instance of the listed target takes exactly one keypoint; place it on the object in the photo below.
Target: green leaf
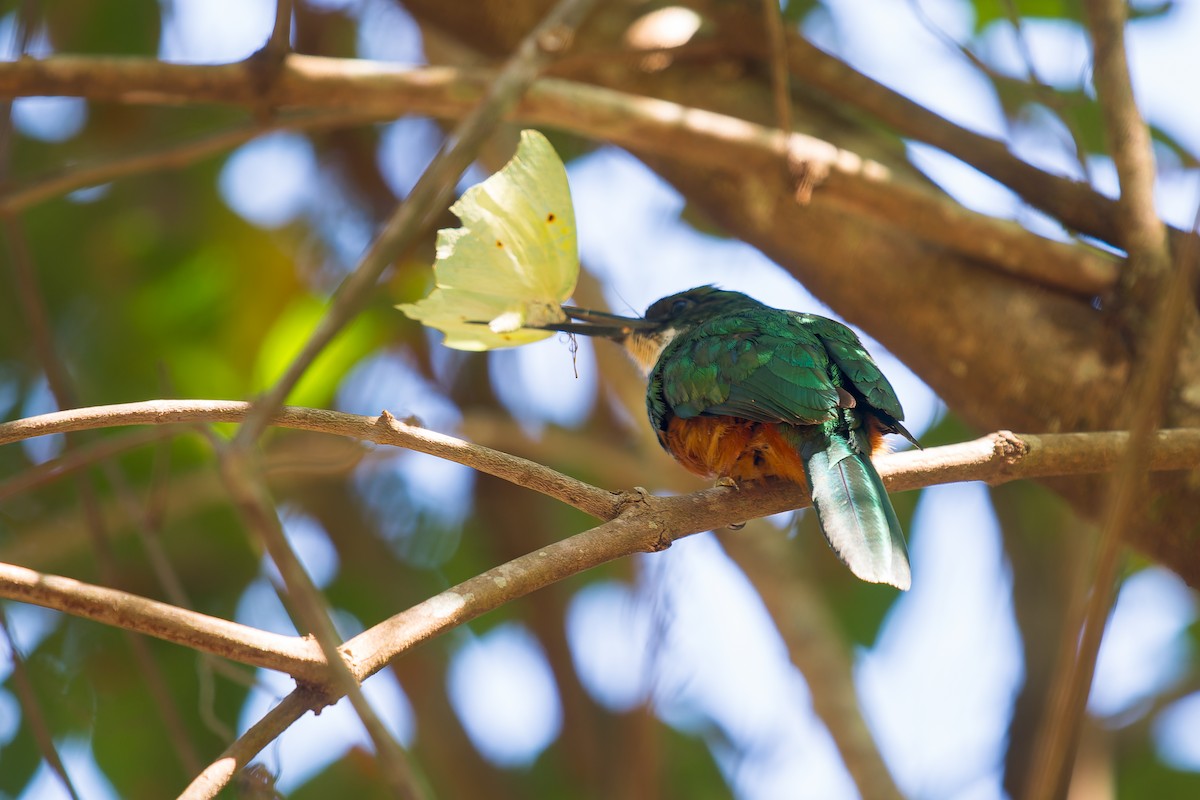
(989, 11)
(288, 335)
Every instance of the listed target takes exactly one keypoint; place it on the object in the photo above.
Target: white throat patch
(645, 349)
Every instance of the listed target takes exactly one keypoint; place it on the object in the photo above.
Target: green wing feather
(859, 369)
(756, 365)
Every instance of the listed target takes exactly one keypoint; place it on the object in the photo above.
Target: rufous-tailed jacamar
(741, 391)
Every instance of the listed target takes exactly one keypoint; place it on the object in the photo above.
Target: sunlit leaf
(292, 329)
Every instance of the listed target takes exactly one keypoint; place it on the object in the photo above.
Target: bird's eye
(679, 305)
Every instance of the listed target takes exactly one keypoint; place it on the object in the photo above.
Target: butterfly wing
(515, 259)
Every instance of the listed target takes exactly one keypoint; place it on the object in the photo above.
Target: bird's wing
(855, 363)
(758, 366)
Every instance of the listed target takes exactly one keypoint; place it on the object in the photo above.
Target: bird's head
(646, 337)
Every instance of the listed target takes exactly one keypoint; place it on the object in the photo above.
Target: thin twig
(31, 709)
(781, 89)
(155, 681)
(62, 388)
(1045, 92)
(282, 29)
(1073, 203)
(173, 156)
(552, 35)
(1059, 735)
(146, 519)
(73, 460)
(209, 783)
(254, 504)
(1143, 233)
(1144, 236)
(431, 193)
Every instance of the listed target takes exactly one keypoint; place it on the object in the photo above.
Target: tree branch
(548, 39)
(996, 458)
(818, 649)
(34, 716)
(653, 523)
(307, 604)
(173, 156)
(1073, 203)
(638, 123)
(298, 657)
(384, 429)
(1164, 305)
(1143, 234)
(238, 755)
(647, 525)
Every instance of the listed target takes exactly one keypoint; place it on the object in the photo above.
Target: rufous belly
(728, 447)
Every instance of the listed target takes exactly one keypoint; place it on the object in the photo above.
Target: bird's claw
(730, 483)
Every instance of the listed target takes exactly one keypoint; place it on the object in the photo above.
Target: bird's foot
(730, 483)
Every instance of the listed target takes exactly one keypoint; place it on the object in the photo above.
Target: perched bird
(738, 391)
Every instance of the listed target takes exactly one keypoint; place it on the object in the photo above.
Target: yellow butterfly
(514, 261)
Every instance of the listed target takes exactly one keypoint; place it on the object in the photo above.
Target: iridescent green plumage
(740, 390)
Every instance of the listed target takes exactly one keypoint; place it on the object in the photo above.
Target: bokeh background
(659, 676)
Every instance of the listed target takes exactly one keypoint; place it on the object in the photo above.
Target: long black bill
(598, 323)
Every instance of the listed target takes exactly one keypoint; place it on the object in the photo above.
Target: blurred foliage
(154, 287)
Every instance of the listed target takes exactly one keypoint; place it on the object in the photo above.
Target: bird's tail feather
(855, 513)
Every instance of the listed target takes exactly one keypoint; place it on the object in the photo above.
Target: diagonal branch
(1165, 305)
(817, 647)
(240, 753)
(433, 190)
(173, 156)
(71, 461)
(652, 523)
(291, 654)
(32, 711)
(646, 524)
(253, 503)
(1074, 203)
(553, 34)
(638, 523)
